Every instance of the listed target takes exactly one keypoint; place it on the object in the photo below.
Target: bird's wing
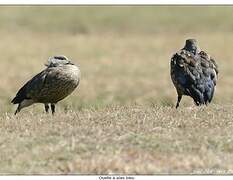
(32, 87)
(209, 63)
(183, 68)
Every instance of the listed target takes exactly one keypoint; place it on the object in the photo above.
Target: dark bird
(194, 73)
(53, 84)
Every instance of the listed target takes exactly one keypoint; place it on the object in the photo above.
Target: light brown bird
(194, 73)
(50, 86)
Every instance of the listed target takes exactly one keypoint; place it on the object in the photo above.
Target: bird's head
(59, 60)
(191, 45)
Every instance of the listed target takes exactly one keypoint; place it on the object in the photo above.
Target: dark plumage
(53, 84)
(194, 73)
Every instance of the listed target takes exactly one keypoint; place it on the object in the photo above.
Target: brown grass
(121, 119)
(119, 139)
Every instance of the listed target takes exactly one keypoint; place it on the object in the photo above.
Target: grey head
(191, 45)
(59, 60)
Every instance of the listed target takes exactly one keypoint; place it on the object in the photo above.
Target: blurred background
(123, 51)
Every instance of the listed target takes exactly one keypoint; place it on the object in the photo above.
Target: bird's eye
(60, 57)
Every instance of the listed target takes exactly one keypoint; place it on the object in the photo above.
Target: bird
(58, 80)
(194, 73)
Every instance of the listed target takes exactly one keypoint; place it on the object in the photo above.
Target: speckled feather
(51, 85)
(194, 75)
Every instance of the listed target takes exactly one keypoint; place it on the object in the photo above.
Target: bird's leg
(46, 106)
(18, 109)
(53, 108)
(178, 101)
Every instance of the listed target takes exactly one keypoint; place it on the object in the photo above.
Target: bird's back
(194, 75)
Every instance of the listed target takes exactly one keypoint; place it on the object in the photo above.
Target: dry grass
(121, 119)
(119, 139)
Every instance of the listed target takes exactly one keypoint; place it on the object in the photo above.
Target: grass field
(121, 119)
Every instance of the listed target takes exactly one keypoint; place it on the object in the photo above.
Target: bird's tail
(197, 95)
(203, 92)
(209, 91)
(15, 100)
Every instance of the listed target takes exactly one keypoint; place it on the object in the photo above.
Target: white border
(115, 2)
(115, 177)
(118, 2)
